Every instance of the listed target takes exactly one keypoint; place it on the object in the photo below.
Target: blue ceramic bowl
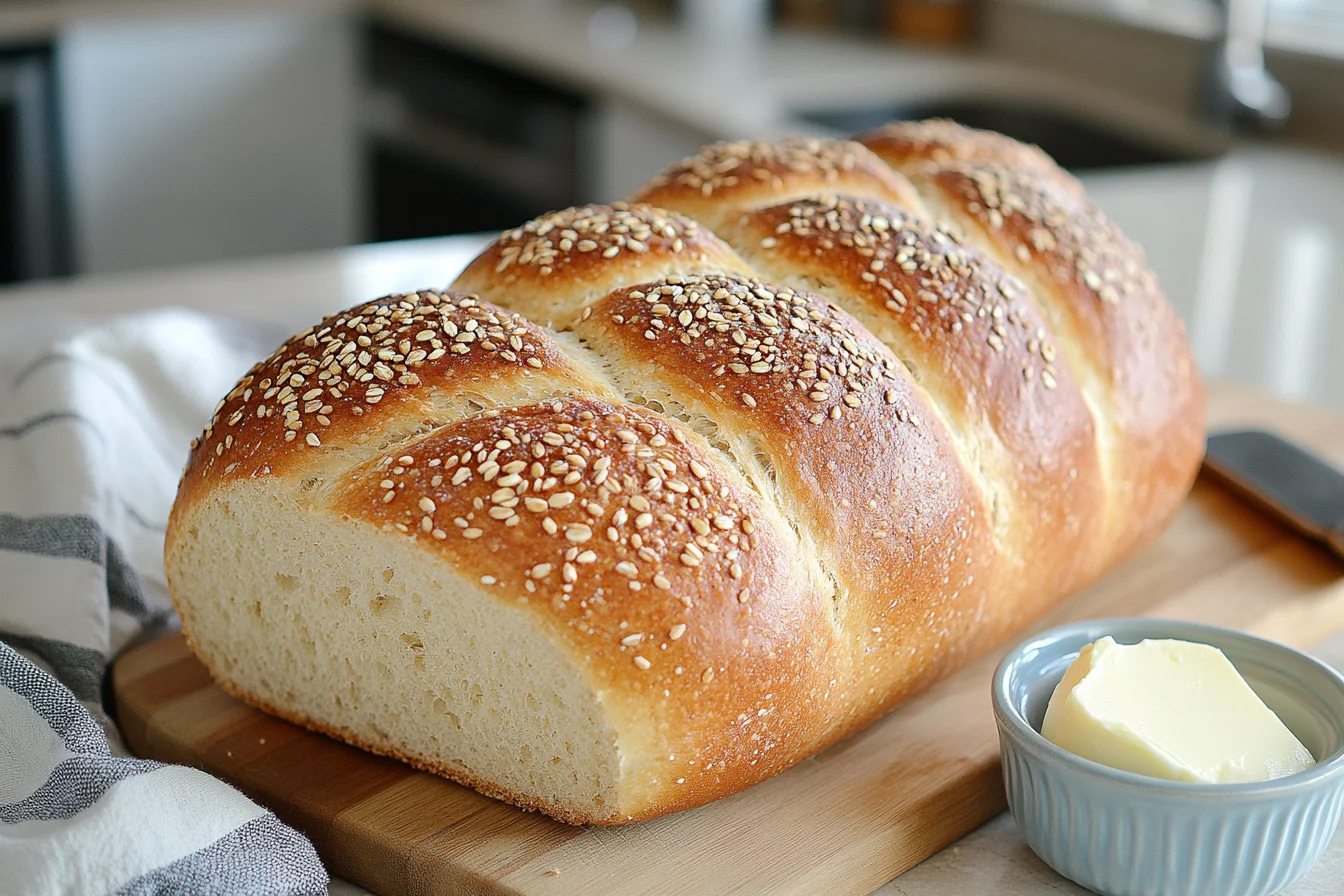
(1123, 834)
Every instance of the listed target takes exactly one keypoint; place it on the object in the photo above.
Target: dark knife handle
(1295, 485)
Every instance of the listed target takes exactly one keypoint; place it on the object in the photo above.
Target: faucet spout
(1239, 90)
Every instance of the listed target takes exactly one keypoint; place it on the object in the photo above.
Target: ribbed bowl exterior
(1126, 844)
(1127, 835)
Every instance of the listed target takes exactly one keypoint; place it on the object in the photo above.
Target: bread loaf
(660, 499)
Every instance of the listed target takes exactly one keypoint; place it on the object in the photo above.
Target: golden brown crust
(725, 179)
(553, 266)
(631, 542)
(1066, 410)
(358, 373)
(939, 142)
(1113, 321)
(979, 346)
(835, 415)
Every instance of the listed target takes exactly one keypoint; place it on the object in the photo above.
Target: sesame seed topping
(1075, 239)
(795, 345)
(956, 290)
(723, 166)
(346, 365)
(549, 243)
(588, 558)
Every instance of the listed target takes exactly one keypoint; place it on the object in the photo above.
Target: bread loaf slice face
(565, 603)
(358, 633)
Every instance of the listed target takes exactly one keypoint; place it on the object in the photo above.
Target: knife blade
(1292, 483)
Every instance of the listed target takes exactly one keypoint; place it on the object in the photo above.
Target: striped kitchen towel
(94, 430)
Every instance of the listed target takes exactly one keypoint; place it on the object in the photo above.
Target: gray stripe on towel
(78, 537)
(80, 669)
(74, 785)
(49, 698)
(260, 858)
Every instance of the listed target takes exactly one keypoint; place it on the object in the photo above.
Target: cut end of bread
(390, 656)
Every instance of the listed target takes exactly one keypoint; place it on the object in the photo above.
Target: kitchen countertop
(721, 90)
(1250, 249)
(743, 88)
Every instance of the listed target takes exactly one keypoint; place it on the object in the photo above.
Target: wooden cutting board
(844, 822)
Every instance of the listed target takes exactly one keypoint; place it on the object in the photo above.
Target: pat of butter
(1169, 709)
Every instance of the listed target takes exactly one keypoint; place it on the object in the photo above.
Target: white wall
(205, 137)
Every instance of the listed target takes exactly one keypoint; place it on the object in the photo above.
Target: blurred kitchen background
(139, 134)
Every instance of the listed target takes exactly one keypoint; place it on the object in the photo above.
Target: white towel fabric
(94, 429)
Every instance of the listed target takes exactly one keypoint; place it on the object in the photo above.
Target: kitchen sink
(1075, 143)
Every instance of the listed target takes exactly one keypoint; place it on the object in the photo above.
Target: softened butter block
(1169, 709)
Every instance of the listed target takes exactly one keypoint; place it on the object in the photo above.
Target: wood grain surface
(843, 822)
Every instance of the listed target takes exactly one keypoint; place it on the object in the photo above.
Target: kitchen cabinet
(198, 136)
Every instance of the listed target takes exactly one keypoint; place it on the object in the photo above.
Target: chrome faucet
(1239, 90)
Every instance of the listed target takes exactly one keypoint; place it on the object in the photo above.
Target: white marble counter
(1250, 248)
